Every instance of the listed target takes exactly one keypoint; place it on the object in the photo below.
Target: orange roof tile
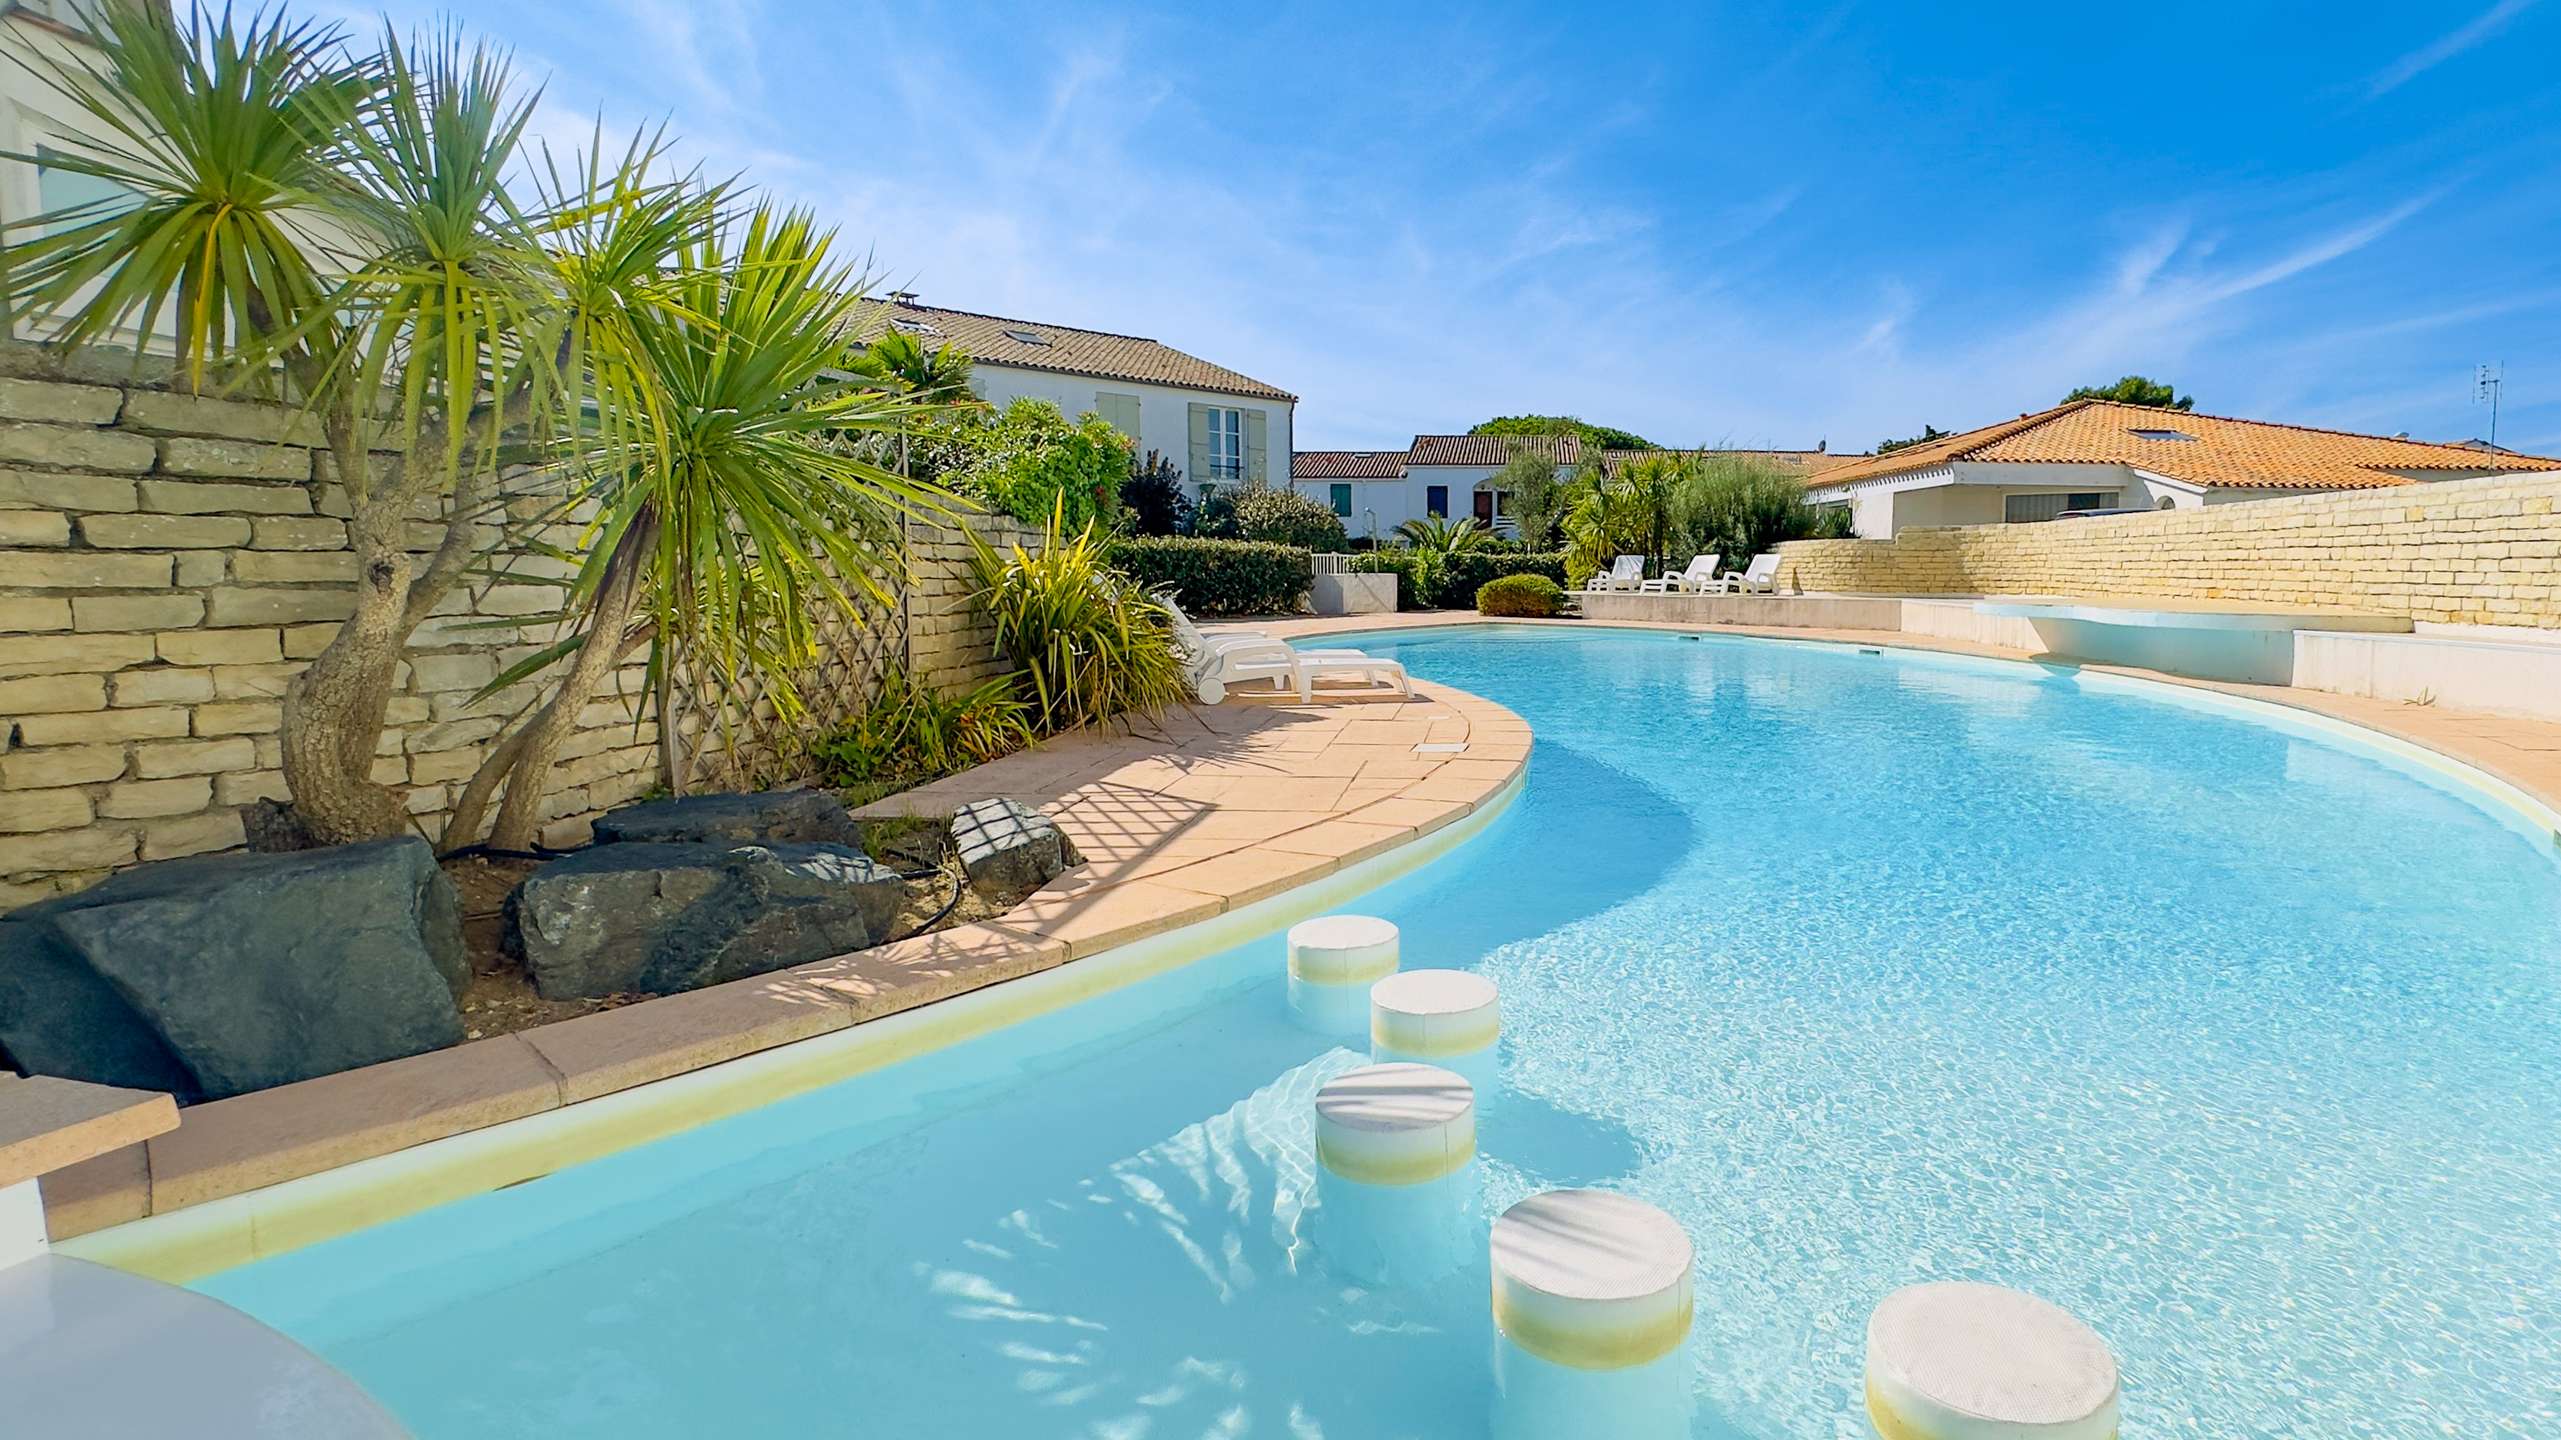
(2209, 450)
(1065, 349)
(1347, 464)
(1807, 463)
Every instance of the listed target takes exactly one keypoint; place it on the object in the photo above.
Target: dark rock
(806, 817)
(1008, 849)
(659, 918)
(241, 971)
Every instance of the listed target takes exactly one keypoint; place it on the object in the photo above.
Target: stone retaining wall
(2478, 552)
(167, 565)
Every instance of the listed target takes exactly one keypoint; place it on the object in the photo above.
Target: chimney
(902, 297)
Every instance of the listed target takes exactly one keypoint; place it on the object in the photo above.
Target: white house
(1375, 491)
(1220, 427)
(2103, 455)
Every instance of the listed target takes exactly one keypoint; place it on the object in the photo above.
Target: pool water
(2236, 1040)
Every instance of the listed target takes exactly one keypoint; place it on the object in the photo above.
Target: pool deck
(1204, 811)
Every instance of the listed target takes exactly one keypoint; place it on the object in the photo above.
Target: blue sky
(1723, 223)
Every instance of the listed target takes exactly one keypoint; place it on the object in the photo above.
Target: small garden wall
(2481, 552)
(168, 563)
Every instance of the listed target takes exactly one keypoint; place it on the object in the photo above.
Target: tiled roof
(2207, 450)
(1347, 464)
(996, 340)
(1807, 463)
(1490, 449)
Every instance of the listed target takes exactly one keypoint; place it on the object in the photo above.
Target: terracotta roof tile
(1807, 463)
(1347, 464)
(1490, 449)
(1065, 349)
(2209, 450)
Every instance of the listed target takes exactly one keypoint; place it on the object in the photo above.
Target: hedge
(1534, 596)
(1217, 577)
(1467, 573)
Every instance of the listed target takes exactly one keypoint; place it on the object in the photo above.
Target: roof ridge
(898, 304)
(2402, 439)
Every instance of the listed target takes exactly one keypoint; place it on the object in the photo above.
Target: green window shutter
(1200, 444)
(1121, 413)
(1342, 498)
(1257, 444)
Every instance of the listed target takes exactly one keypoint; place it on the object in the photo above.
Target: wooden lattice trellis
(734, 736)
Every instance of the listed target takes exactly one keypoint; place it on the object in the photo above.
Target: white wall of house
(1155, 417)
(1377, 507)
(1978, 493)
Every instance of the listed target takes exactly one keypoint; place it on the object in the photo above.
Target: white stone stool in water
(1333, 960)
(1393, 1146)
(1449, 1018)
(1960, 1361)
(1592, 1305)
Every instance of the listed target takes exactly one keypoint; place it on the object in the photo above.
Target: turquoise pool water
(1870, 968)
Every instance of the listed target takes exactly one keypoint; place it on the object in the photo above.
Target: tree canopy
(1604, 436)
(2136, 390)
(1928, 433)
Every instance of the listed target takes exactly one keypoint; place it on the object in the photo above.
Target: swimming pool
(2235, 1039)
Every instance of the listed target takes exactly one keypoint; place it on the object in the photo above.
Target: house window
(1343, 500)
(59, 190)
(1436, 501)
(2166, 435)
(2023, 509)
(1226, 444)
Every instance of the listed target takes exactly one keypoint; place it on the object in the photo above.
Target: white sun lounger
(1625, 573)
(1701, 575)
(1758, 578)
(1237, 656)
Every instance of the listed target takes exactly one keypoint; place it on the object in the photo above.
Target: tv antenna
(2485, 391)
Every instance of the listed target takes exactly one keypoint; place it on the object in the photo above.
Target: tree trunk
(519, 822)
(333, 710)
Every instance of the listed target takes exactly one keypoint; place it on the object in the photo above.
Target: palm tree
(340, 227)
(1444, 536)
(735, 513)
(940, 375)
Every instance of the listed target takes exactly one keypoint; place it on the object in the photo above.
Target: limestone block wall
(2484, 551)
(169, 562)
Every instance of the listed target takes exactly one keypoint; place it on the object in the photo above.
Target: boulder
(221, 974)
(1008, 849)
(803, 817)
(638, 917)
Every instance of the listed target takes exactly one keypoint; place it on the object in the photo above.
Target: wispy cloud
(2445, 47)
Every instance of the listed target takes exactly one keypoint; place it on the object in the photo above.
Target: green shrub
(911, 733)
(1285, 517)
(1152, 500)
(1461, 574)
(1029, 462)
(1217, 577)
(1534, 596)
(1090, 642)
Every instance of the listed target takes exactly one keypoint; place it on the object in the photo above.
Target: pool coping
(1255, 809)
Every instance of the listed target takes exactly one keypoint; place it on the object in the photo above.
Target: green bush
(1217, 577)
(1091, 644)
(1462, 574)
(1029, 462)
(1534, 596)
(1285, 517)
(910, 734)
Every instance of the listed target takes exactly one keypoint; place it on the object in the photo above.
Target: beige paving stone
(226, 1147)
(104, 1190)
(886, 979)
(1245, 876)
(1089, 918)
(617, 1049)
(1346, 841)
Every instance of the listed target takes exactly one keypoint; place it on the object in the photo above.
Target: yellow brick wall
(168, 563)
(2480, 552)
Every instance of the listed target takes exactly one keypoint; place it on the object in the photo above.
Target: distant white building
(2104, 455)
(1375, 491)
(1220, 427)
